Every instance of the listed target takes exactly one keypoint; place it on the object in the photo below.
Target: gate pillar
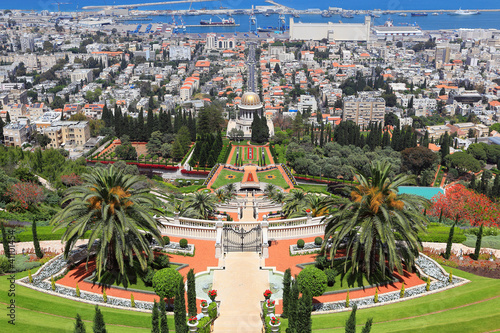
(219, 246)
(265, 243)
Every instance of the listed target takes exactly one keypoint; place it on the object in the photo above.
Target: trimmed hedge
(183, 243)
(43, 233)
(300, 243)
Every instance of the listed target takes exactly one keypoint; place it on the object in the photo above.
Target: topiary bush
(161, 261)
(148, 277)
(183, 243)
(166, 282)
(313, 279)
(300, 243)
(321, 261)
(4, 264)
(166, 240)
(330, 276)
(318, 241)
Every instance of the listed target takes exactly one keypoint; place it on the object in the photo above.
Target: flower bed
(308, 248)
(193, 172)
(175, 248)
(141, 165)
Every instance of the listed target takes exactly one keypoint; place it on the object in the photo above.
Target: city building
(15, 111)
(82, 74)
(67, 133)
(331, 31)
(27, 42)
(307, 102)
(18, 96)
(250, 105)
(17, 133)
(364, 111)
(93, 111)
(179, 53)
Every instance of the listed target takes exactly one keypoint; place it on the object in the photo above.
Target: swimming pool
(426, 192)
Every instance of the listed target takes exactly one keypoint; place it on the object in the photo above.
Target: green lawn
(447, 311)
(222, 180)
(277, 180)
(487, 241)
(233, 158)
(36, 311)
(469, 308)
(257, 153)
(314, 188)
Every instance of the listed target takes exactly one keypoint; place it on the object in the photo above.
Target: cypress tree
(7, 117)
(445, 146)
(303, 323)
(450, 239)
(180, 309)
(350, 325)
(478, 243)
(191, 292)
(368, 326)
(36, 244)
(286, 292)
(321, 139)
(472, 184)
(140, 129)
(495, 190)
(155, 319)
(79, 325)
(149, 124)
(293, 304)
(163, 317)
(2, 124)
(118, 121)
(5, 241)
(99, 325)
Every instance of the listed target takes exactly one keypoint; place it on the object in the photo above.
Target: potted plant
(212, 294)
(193, 324)
(204, 307)
(267, 294)
(275, 323)
(270, 307)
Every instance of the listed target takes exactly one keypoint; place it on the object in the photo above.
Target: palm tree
(230, 190)
(200, 205)
(371, 219)
(316, 203)
(119, 216)
(294, 203)
(270, 190)
(221, 195)
(278, 197)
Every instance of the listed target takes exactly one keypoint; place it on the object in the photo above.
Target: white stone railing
(304, 230)
(188, 231)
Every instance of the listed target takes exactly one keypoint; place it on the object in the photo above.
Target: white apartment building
(363, 111)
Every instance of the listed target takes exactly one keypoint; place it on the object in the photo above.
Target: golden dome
(250, 99)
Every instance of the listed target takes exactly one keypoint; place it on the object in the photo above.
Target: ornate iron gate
(240, 240)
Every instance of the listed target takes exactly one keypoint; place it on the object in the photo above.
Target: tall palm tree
(108, 205)
(221, 195)
(270, 190)
(201, 205)
(316, 203)
(371, 219)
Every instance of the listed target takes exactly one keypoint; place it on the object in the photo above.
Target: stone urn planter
(192, 325)
(204, 308)
(270, 307)
(275, 324)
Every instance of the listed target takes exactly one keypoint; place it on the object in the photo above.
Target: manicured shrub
(30, 277)
(132, 300)
(449, 243)
(148, 277)
(166, 282)
(166, 240)
(104, 296)
(321, 261)
(4, 264)
(347, 299)
(368, 326)
(402, 291)
(313, 279)
(161, 261)
(330, 276)
(5, 241)
(155, 319)
(180, 308)
(428, 284)
(212, 310)
(183, 243)
(203, 326)
(52, 283)
(450, 277)
(77, 290)
(300, 243)
(318, 241)
(191, 293)
(375, 298)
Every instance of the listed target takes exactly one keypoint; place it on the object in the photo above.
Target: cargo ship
(229, 21)
(465, 12)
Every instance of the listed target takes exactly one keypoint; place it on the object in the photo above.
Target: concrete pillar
(176, 218)
(265, 239)
(219, 246)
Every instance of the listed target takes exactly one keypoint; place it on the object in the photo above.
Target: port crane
(253, 21)
(59, 5)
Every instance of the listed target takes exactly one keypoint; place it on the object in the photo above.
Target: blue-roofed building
(494, 140)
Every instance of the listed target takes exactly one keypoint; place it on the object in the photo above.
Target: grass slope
(38, 311)
(221, 179)
(277, 180)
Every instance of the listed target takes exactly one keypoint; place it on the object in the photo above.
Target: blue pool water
(426, 192)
